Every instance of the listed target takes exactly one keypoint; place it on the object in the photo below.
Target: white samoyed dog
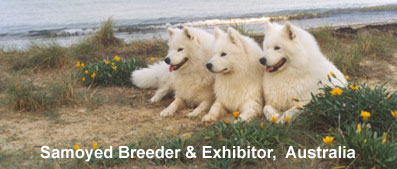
(294, 68)
(183, 71)
(238, 76)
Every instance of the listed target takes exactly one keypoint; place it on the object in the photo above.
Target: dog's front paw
(194, 113)
(155, 99)
(209, 117)
(246, 117)
(270, 113)
(281, 119)
(166, 112)
(284, 119)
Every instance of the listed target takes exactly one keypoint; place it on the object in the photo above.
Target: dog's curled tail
(150, 77)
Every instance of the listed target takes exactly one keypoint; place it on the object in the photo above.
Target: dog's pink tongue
(269, 68)
(172, 68)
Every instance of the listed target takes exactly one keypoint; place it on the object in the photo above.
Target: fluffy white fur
(303, 73)
(154, 76)
(238, 76)
(190, 49)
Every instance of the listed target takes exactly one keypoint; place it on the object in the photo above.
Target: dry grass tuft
(105, 35)
(47, 56)
(25, 96)
(347, 51)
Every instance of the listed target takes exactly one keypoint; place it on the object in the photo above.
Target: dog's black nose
(262, 60)
(209, 66)
(167, 60)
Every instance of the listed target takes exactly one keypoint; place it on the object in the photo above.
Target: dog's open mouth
(277, 66)
(176, 67)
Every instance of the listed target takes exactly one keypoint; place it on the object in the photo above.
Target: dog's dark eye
(223, 54)
(276, 47)
(180, 49)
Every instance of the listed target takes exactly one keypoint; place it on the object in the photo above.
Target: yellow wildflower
(82, 65)
(365, 115)
(83, 79)
(394, 113)
(76, 147)
(262, 125)
(354, 87)
(93, 75)
(95, 145)
(328, 140)
(107, 62)
(332, 74)
(298, 107)
(287, 119)
(152, 59)
(114, 67)
(336, 91)
(388, 97)
(274, 119)
(227, 121)
(86, 72)
(78, 64)
(116, 58)
(175, 132)
(347, 77)
(188, 135)
(359, 128)
(384, 138)
(236, 114)
(112, 63)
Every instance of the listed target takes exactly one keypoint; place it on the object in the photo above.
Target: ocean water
(67, 21)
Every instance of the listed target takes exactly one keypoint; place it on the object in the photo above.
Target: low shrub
(356, 115)
(373, 149)
(109, 72)
(333, 111)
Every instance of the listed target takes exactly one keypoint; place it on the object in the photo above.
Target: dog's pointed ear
(187, 32)
(218, 32)
(171, 32)
(268, 26)
(289, 30)
(234, 36)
